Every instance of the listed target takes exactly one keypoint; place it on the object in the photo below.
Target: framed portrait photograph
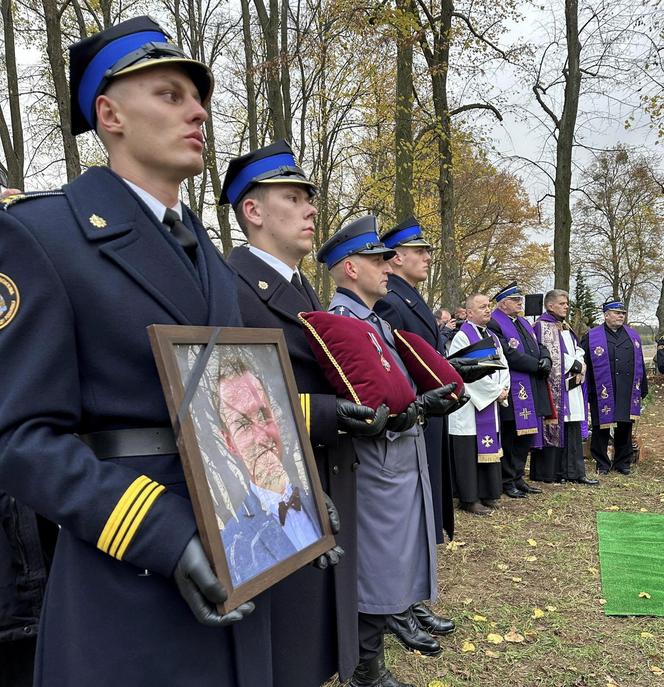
(245, 451)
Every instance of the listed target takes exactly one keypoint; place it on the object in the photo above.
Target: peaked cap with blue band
(477, 351)
(359, 237)
(127, 47)
(510, 291)
(406, 233)
(616, 306)
(273, 164)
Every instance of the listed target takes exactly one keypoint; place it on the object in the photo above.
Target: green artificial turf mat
(631, 554)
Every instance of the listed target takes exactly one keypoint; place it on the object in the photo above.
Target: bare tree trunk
(567, 124)
(403, 121)
(250, 85)
(52, 16)
(12, 144)
(285, 73)
(660, 311)
(270, 28)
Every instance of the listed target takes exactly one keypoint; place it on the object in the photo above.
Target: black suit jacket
(268, 300)
(525, 358)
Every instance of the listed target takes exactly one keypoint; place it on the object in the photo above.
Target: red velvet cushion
(425, 364)
(346, 350)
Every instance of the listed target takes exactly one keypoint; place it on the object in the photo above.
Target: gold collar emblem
(97, 221)
(262, 285)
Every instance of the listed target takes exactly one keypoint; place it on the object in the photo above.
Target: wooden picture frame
(245, 452)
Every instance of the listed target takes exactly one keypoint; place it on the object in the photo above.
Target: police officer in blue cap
(84, 428)
(273, 202)
(404, 308)
(396, 532)
(617, 382)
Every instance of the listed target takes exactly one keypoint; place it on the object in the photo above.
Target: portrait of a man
(253, 461)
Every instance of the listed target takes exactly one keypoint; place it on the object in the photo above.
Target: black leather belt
(141, 441)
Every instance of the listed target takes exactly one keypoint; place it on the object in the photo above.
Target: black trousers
(473, 481)
(371, 630)
(17, 662)
(515, 454)
(553, 463)
(622, 446)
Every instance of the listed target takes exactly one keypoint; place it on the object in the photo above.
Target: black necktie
(181, 234)
(293, 502)
(297, 283)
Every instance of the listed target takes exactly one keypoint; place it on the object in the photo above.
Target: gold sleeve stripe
(120, 510)
(305, 403)
(140, 516)
(129, 517)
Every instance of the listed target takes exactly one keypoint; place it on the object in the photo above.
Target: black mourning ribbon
(293, 502)
(181, 233)
(297, 283)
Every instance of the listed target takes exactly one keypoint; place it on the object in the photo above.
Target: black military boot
(435, 624)
(373, 673)
(408, 631)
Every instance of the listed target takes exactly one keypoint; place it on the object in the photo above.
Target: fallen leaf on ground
(515, 637)
(531, 559)
(613, 508)
(550, 511)
(593, 571)
(602, 602)
(644, 595)
(491, 654)
(643, 510)
(454, 545)
(517, 579)
(532, 542)
(438, 683)
(467, 648)
(538, 613)
(467, 601)
(551, 609)
(656, 670)
(502, 566)
(479, 618)
(647, 635)
(494, 638)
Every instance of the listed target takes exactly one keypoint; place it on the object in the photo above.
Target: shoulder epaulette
(14, 198)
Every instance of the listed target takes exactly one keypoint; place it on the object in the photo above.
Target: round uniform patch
(9, 300)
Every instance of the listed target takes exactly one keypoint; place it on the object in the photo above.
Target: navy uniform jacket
(93, 268)
(320, 633)
(404, 308)
(621, 358)
(525, 358)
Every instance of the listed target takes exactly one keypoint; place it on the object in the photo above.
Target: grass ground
(527, 578)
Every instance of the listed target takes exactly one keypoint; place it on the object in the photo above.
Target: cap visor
(387, 253)
(290, 180)
(415, 243)
(166, 61)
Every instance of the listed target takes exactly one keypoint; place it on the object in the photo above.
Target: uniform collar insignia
(97, 221)
(263, 285)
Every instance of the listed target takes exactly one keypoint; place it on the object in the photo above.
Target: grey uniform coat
(395, 522)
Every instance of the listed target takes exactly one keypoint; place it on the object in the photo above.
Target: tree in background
(619, 225)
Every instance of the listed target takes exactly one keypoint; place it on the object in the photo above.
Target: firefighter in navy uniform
(84, 437)
(404, 308)
(271, 197)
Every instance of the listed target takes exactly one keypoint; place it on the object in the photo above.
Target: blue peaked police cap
(406, 233)
(273, 164)
(616, 306)
(127, 47)
(359, 237)
(509, 291)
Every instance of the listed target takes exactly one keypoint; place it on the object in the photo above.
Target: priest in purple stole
(616, 384)
(530, 364)
(475, 427)
(560, 458)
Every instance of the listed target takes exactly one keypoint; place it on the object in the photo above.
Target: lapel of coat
(414, 301)
(277, 294)
(129, 235)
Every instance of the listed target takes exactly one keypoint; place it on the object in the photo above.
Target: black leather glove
(463, 399)
(201, 589)
(353, 418)
(469, 370)
(434, 404)
(576, 368)
(544, 367)
(403, 421)
(333, 556)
